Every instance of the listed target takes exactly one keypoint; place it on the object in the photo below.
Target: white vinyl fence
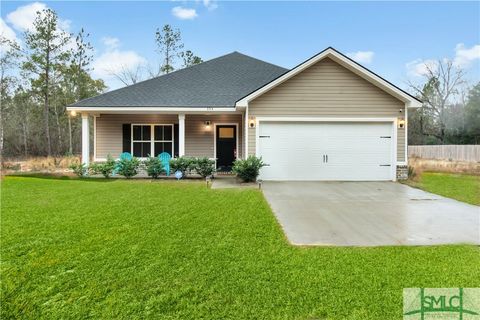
(469, 153)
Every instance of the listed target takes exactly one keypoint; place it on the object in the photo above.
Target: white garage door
(326, 151)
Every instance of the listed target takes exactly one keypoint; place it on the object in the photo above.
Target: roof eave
(414, 104)
(133, 110)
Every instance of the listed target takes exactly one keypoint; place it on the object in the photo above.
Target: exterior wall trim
(85, 139)
(334, 119)
(406, 135)
(94, 137)
(245, 133)
(151, 109)
(152, 139)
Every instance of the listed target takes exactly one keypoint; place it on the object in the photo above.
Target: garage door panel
(295, 151)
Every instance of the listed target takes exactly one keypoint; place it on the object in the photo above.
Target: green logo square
(441, 303)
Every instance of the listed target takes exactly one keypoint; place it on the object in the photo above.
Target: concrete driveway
(369, 214)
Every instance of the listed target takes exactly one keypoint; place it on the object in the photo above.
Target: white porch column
(85, 139)
(245, 138)
(181, 135)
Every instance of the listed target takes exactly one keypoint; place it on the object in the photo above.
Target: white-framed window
(152, 139)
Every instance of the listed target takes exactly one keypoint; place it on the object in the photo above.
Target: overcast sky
(392, 39)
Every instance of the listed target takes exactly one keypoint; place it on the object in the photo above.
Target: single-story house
(329, 118)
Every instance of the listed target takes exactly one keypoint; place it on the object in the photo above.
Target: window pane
(141, 149)
(167, 133)
(163, 147)
(137, 149)
(225, 133)
(137, 132)
(167, 147)
(158, 132)
(158, 148)
(146, 149)
(146, 132)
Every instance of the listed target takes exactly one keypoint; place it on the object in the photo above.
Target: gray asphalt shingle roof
(219, 82)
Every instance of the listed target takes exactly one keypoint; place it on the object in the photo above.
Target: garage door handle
(385, 137)
(326, 157)
(384, 165)
(264, 136)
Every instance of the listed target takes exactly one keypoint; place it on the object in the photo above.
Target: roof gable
(326, 84)
(344, 61)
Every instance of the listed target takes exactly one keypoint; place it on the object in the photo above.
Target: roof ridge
(246, 55)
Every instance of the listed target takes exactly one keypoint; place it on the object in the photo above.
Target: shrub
(105, 168)
(80, 169)
(204, 167)
(94, 168)
(248, 169)
(154, 167)
(128, 168)
(11, 166)
(182, 164)
(411, 172)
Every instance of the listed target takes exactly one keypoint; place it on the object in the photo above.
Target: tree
(189, 59)
(169, 45)
(76, 85)
(472, 113)
(81, 58)
(77, 81)
(47, 52)
(10, 53)
(21, 116)
(443, 81)
(128, 75)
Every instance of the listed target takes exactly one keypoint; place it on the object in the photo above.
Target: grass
(461, 187)
(121, 249)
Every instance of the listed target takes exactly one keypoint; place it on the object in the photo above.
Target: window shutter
(175, 139)
(127, 137)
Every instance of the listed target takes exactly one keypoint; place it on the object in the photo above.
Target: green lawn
(461, 187)
(175, 250)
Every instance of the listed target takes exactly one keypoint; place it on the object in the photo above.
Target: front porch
(215, 136)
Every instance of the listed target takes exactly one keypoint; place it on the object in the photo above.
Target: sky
(393, 39)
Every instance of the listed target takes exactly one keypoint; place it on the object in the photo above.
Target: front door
(226, 146)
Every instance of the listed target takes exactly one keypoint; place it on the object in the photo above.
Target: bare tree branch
(442, 82)
(128, 75)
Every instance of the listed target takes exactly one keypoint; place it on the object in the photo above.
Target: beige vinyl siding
(199, 142)
(198, 139)
(327, 89)
(400, 144)
(251, 141)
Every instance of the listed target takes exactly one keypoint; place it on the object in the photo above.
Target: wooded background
(52, 69)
